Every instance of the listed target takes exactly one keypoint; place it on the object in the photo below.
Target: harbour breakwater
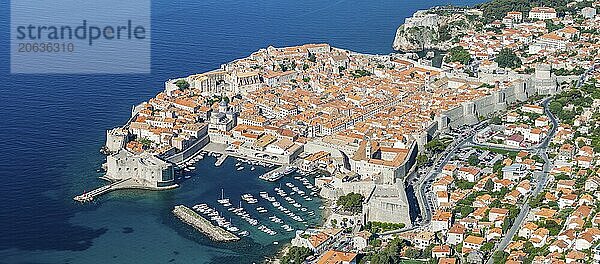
(195, 220)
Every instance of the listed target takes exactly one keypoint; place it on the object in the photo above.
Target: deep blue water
(52, 127)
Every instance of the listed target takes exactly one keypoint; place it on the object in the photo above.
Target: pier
(221, 149)
(221, 159)
(201, 224)
(89, 196)
(273, 175)
(128, 183)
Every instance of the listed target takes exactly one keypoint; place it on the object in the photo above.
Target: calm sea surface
(52, 126)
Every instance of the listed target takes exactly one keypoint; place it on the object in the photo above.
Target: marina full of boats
(251, 164)
(280, 210)
(190, 165)
(266, 216)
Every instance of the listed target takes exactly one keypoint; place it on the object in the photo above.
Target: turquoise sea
(52, 127)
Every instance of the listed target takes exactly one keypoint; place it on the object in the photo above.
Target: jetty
(273, 175)
(221, 159)
(278, 173)
(201, 224)
(89, 196)
(121, 184)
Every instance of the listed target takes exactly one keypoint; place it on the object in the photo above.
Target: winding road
(425, 197)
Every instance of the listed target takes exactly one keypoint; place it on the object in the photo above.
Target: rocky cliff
(441, 35)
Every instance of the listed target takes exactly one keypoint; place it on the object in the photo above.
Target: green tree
(182, 84)
(146, 143)
(375, 243)
(553, 227)
(555, 107)
(496, 120)
(499, 257)
(360, 73)
(552, 27)
(413, 253)
(507, 58)
(421, 160)
(487, 247)
(296, 255)
(351, 202)
(312, 57)
(389, 255)
(436, 145)
(473, 160)
(489, 185)
(458, 54)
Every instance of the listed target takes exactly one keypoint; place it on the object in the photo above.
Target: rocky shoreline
(437, 28)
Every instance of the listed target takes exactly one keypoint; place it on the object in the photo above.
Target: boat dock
(221, 159)
(273, 175)
(128, 183)
(89, 196)
(221, 149)
(201, 224)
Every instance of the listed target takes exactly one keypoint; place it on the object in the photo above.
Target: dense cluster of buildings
(369, 113)
(525, 127)
(365, 118)
(563, 42)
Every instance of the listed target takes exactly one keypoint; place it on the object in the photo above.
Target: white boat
(244, 233)
(240, 168)
(275, 219)
(271, 176)
(188, 176)
(192, 168)
(252, 168)
(289, 170)
(223, 200)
